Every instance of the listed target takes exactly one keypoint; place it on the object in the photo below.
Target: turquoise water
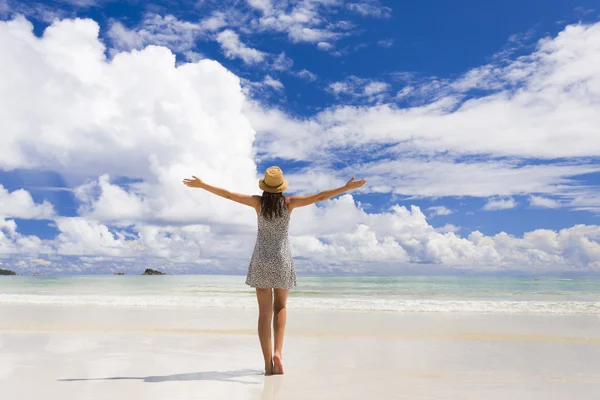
(399, 294)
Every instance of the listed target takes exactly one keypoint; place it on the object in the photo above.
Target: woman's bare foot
(277, 364)
(269, 369)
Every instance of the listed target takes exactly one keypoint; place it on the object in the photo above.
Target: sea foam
(318, 303)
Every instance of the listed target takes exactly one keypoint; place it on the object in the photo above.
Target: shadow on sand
(224, 376)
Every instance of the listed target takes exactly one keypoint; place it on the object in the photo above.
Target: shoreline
(301, 322)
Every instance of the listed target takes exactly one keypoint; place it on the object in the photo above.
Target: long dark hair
(271, 204)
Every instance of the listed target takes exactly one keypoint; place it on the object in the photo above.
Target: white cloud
(388, 242)
(586, 199)
(542, 105)
(401, 237)
(193, 56)
(168, 30)
(39, 11)
(448, 228)
(138, 116)
(373, 88)
(81, 236)
(157, 30)
(216, 21)
(303, 21)
(444, 176)
(127, 131)
(306, 74)
(274, 83)
(81, 3)
(556, 104)
(324, 46)
(359, 88)
(386, 43)
(439, 210)
(12, 242)
(20, 204)
(400, 169)
(543, 202)
(265, 6)
(500, 204)
(339, 87)
(282, 62)
(260, 89)
(370, 9)
(40, 261)
(102, 200)
(234, 48)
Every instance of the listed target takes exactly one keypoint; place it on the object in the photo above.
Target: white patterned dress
(272, 265)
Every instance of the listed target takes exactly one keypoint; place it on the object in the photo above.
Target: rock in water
(7, 272)
(150, 271)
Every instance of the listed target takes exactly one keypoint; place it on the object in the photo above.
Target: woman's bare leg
(279, 312)
(265, 313)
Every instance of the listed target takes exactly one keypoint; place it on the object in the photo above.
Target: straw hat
(273, 181)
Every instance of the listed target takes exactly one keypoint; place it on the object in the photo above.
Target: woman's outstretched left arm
(252, 201)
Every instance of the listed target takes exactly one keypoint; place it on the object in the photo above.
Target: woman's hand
(193, 183)
(352, 184)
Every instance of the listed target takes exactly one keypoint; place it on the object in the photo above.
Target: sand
(55, 352)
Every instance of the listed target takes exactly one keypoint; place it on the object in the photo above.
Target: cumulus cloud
(402, 170)
(391, 241)
(168, 30)
(373, 88)
(105, 201)
(556, 104)
(403, 236)
(306, 74)
(302, 21)
(272, 82)
(139, 116)
(500, 204)
(234, 48)
(448, 228)
(123, 133)
(40, 11)
(282, 62)
(359, 89)
(12, 242)
(541, 105)
(20, 204)
(439, 210)
(324, 46)
(543, 202)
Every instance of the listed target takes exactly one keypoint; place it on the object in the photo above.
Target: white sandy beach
(58, 352)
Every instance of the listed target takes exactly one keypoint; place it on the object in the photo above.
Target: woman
(271, 270)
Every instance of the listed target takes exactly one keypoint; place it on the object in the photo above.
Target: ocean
(401, 294)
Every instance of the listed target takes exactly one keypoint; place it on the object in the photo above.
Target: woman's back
(276, 226)
(272, 265)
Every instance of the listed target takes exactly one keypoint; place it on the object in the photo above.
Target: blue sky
(475, 112)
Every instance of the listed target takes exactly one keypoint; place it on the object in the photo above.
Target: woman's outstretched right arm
(301, 201)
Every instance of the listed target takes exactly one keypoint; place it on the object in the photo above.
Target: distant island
(7, 272)
(150, 271)
(118, 273)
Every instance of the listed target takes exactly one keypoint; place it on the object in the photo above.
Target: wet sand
(58, 352)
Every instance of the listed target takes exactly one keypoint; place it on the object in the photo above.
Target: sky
(475, 123)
